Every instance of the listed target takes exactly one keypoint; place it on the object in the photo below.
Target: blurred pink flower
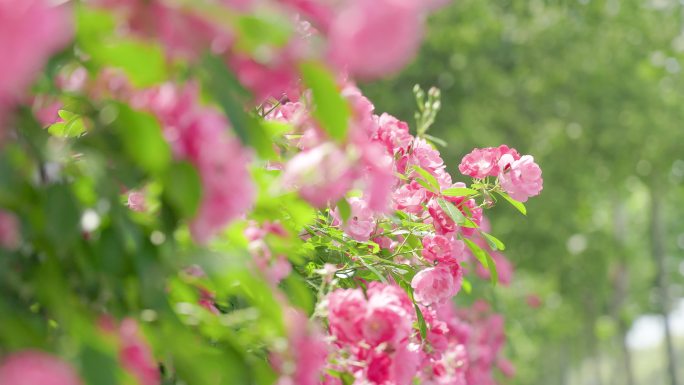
(307, 353)
(32, 367)
(10, 231)
(520, 178)
(361, 222)
(200, 135)
(30, 32)
(136, 201)
(346, 311)
(321, 175)
(135, 355)
(374, 38)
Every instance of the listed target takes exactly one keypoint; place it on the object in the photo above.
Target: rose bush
(197, 192)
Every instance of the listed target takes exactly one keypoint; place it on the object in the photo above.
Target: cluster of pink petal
(324, 171)
(374, 340)
(200, 135)
(373, 333)
(518, 175)
(30, 32)
(32, 367)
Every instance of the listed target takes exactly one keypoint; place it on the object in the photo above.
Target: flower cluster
(387, 238)
(519, 176)
(375, 343)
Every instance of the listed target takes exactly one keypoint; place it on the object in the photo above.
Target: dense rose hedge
(197, 192)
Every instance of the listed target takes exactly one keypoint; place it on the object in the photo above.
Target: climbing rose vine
(197, 192)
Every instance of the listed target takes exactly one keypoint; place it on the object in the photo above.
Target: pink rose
(393, 133)
(374, 38)
(410, 198)
(425, 156)
(321, 175)
(361, 222)
(136, 201)
(480, 163)
(10, 231)
(199, 135)
(435, 285)
(32, 367)
(136, 356)
(346, 311)
(378, 170)
(384, 324)
(520, 178)
(440, 219)
(437, 248)
(31, 30)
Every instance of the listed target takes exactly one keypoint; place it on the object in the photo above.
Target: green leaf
(484, 258)
(346, 377)
(99, 368)
(493, 242)
(143, 63)
(255, 31)
(422, 326)
(435, 140)
(331, 110)
(142, 139)
(429, 178)
(183, 188)
(298, 292)
(228, 93)
(71, 127)
(466, 286)
(518, 205)
(455, 214)
(345, 209)
(459, 192)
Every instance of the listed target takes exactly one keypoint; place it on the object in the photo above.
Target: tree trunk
(620, 283)
(658, 249)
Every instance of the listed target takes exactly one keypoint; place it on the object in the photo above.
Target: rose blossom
(136, 356)
(435, 284)
(480, 163)
(437, 248)
(32, 367)
(346, 310)
(520, 178)
(136, 201)
(361, 222)
(30, 31)
(322, 174)
(373, 38)
(10, 231)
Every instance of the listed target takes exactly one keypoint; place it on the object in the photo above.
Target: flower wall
(196, 192)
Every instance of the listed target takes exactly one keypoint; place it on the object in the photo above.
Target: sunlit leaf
(484, 258)
(493, 241)
(330, 109)
(459, 192)
(518, 205)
